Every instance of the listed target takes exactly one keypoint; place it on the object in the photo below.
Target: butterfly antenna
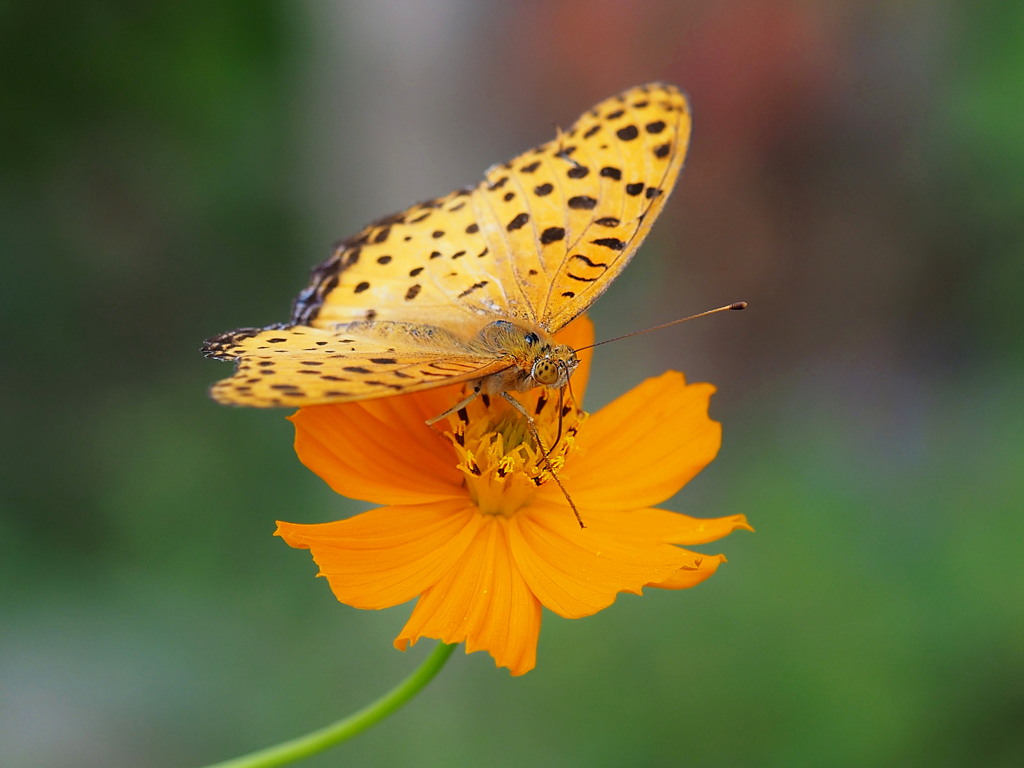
(734, 305)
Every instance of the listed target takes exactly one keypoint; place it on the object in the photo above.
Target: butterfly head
(553, 365)
(548, 364)
(536, 360)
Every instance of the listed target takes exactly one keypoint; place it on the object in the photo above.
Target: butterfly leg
(473, 395)
(544, 454)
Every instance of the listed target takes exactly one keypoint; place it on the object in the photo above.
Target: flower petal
(482, 600)
(379, 450)
(388, 555)
(643, 447)
(697, 570)
(666, 526)
(577, 572)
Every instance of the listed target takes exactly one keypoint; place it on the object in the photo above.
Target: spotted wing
(295, 366)
(429, 264)
(573, 212)
(537, 241)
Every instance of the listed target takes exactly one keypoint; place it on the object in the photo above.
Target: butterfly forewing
(628, 153)
(569, 215)
(421, 265)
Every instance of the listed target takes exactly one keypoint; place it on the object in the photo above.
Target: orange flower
(473, 524)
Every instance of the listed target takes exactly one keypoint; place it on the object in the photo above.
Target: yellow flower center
(502, 463)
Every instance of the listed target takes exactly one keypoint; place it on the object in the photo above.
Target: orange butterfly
(470, 287)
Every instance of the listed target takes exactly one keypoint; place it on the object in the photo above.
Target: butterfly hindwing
(301, 365)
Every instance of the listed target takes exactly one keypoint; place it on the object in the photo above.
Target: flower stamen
(504, 455)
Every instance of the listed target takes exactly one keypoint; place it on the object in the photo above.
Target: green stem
(317, 741)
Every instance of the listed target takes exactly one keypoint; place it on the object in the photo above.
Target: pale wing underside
(298, 366)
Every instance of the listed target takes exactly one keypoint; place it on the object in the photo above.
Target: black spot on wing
(582, 203)
(518, 222)
(612, 243)
(474, 287)
(590, 263)
(552, 235)
(628, 133)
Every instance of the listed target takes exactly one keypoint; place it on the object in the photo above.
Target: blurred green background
(172, 170)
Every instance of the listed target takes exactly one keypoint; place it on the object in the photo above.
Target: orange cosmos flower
(475, 527)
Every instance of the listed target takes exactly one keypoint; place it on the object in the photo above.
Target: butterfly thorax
(536, 360)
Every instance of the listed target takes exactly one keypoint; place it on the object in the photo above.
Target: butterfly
(470, 287)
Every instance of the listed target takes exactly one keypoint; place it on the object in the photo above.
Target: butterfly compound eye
(531, 338)
(546, 372)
